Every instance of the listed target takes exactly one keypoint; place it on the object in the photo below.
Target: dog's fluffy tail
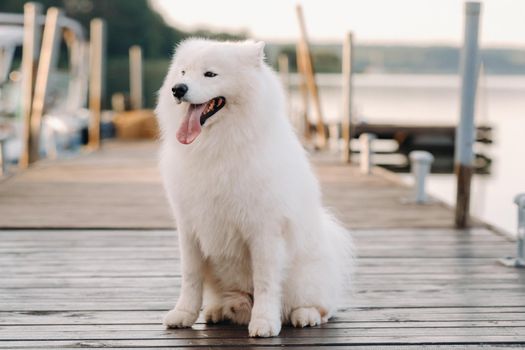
(343, 249)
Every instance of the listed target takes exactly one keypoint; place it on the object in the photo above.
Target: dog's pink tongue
(190, 126)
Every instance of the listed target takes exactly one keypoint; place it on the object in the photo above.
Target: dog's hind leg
(237, 307)
(221, 305)
(234, 306)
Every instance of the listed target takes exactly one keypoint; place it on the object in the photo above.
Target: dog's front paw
(180, 319)
(262, 327)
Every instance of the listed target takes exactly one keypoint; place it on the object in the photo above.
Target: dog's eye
(183, 72)
(209, 74)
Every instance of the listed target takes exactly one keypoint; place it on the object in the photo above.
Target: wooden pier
(88, 258)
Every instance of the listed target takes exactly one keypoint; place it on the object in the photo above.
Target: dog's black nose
(179, 90)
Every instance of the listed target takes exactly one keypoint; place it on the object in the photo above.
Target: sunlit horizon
(401, 22)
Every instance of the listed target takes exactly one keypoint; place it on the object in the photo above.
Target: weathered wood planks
(106, 276)
(109, 288)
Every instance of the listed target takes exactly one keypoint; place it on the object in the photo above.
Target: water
(434, 100)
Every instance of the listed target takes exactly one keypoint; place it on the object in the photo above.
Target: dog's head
(206, 78)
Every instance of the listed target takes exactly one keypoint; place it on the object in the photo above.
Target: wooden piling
(284, 73)
(465, 132)
(96, 79)
(303, 89)
(135, 76)
(346, 122)
(46, 63)
(309, 73)
(30, 53)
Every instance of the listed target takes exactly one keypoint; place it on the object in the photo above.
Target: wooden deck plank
(219, 333)
(245, 342)
(355, 317)
(353, 347)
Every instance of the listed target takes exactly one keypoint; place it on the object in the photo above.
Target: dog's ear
(254, 52)
(259, 46)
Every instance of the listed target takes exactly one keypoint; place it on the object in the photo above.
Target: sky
(420, 22)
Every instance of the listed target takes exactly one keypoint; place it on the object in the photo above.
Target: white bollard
(519, 260)
(420, 161)
(366, 153)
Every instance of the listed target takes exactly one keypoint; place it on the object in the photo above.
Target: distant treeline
(404, 59)
(133, 22)
(129, 22)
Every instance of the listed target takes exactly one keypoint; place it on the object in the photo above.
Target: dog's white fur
(255, 241)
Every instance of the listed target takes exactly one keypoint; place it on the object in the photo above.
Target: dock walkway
(88, 258)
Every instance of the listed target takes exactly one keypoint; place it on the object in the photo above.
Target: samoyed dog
(257, 247)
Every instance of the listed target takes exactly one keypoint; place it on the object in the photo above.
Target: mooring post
(135, 76)
(97, 50)
(465, 132)
(366, 152)
(309, 73)
(519, 260)
(421, 162)
(304, 121)
(30, 53)
(284, 73)
(46, 64)
(3, 157)
(347, 60)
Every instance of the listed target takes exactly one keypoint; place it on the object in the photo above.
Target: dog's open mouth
(196, 116)
(212, 107)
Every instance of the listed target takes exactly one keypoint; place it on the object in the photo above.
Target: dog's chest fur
(220, 202)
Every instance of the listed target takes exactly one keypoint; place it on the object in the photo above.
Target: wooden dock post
(3, 157)
(465, 132)
(304, 92)
(284, 73)
(46, 64)
(30, 53)
(97, 54)
(135, 76)
(309, 72)
(346, 122)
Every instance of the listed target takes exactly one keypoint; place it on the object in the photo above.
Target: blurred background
(405, 72)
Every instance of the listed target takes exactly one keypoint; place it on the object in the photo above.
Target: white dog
(256, 243)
